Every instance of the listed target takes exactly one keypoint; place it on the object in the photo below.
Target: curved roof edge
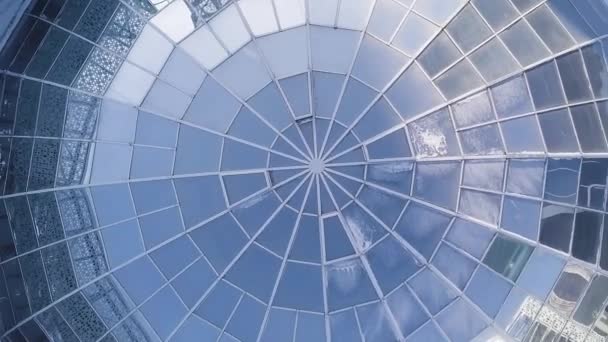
(10, 13)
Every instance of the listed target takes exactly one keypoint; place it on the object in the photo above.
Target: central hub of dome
(316, 166)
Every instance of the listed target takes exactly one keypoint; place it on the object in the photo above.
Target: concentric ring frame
(305, 170)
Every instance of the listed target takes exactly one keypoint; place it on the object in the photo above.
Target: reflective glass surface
(304, 170)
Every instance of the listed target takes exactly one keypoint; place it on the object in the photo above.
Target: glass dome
(304, 170)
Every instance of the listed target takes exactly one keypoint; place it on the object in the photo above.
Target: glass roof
(305, 170)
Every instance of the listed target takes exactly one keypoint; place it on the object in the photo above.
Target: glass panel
(165, 99)
(549, 29)
(437, 10)
(212, 107)
(454, 265)
(353, 15)
(394, 145)
(256, 271)
(326, 91)
(112, 203)
(199, 198)
(122, 242)
(473, 110)
(545, 86)
(484, 174)
(593, 57)
(511, 97)
(140, 279)
(586, 238)
(197, 151)
(558, 131)
(219, 304)
(356, 98)
(422, 228)
(491, 54)
(344, 326)
(539, 276)
(480, 205)
(569, 288)
(468, 29)
(160, 226)
(440, 54)
(194, 328)
(310, 327)
(117, 122)
(592, 184)
(523, 42)
(332, 50)
(562, 180)
(164, 311)
(460, 79)
(385, 19)
(278, 232)
(323, 12)
(260, 16)
(378, 119)
(301, 287)
(246, 61)
(414, 34)
(522, 135)
(230, 29)
(521, 217)
(588, 128)
(460, 321)
(205, 48)
(573, 76)
(152, 195)
(151, 40)
(507, 257)
(364, 228)
(391, 264)
(248, 126)
(280, 325)
(434, 135)
(432, 291)
(591, 304)
(482, 140)
(488, 291)
(175, 256)
(556, 227)
(306, 246)
(413, 93)
(429, 332)
(368, 70)
(473, 238)
(175, 20)
(290, 13)
(182, 71)
(526, 176)
(407, 311)
(375, 322)
(498, 13)
(150, 162)
(193, 282)
(437, 183)
(246, 321)
(359, 288)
